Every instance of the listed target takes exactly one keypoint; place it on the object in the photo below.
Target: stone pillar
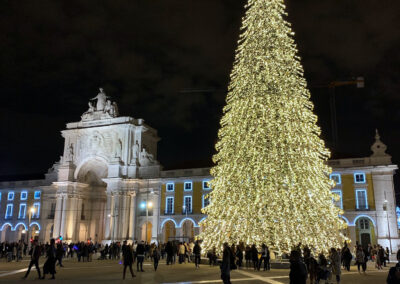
(124, 220)
(71, 220)
(63, 216)
(132, 216)
(57, 216)
(156, 217)
(107, 219)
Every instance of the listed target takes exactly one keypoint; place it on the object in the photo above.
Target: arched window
(363, 224)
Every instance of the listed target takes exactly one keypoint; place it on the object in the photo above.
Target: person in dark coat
(140, 250)
(127, 255)
(254, 256)
(226, 265)
(298, 270)
(346, 256)
(35, 254)
(156, 257)
(49, 266)
(170, 252)
(197, 254)
(60, 254)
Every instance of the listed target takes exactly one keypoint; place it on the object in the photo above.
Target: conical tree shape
(271, 181)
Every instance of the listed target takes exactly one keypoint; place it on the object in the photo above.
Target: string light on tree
(271, 182)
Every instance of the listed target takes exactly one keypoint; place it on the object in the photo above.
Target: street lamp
(147, 204)
(30, 213)
(385, 204)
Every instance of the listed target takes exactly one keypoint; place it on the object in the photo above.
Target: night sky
(169, 62)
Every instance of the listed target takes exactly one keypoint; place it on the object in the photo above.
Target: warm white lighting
(150, 204)
(36, 232)
(109, 215)
(23, 231)
(32, 210)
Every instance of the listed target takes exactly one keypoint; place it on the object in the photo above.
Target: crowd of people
(303, 264)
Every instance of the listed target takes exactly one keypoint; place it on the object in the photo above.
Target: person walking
(35, 253)
(127, 256)
(182, 253)
(247, 256)
(59, 254)
(254, 256)
(197, 254)
(360, 259)
(264, 257)
(156, 257)
(346, 255)
(226, 265)
(298, 270)
(170, 252)
(380, 257)
(49, 266)
(335, 264)
(140, 249)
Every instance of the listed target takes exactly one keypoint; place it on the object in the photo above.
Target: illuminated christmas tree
(271, 182)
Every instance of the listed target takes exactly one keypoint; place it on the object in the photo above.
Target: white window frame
(366, 198)
(338, 192)
(364, 178)
(9, 216)
(191, 185)
(173, 186)
(166, 204)
(22, 216)
(191, 203)
(204, 197)
(40, 194)
(26, 195)
(36, 214)
(336, 175)
(10, 196)
(204, 184)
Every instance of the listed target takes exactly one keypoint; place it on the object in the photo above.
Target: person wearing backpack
(298, 270)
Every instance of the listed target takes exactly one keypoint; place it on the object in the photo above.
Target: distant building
(109, 186)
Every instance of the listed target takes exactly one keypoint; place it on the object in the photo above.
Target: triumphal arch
(108, 168)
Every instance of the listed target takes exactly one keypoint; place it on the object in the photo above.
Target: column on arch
(132, 216)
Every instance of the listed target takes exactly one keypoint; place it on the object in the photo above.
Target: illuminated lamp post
(146, 205)
(30, 213)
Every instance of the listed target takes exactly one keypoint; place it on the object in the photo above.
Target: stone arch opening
(188, 230)
(169, 231)
(6, 233)
(92, 172)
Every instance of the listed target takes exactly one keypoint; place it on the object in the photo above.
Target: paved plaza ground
(110, 271)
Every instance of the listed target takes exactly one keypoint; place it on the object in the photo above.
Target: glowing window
(338, 203)
(361, 199)
(206, 200)
(187, 204)
(169, 205)
(38, 194)
(188, 185)
(9, 211)
(10, 196)
(170, 186)
(359, 177)
(336, 178)
(206, 184)
(22, 211)
(24, 195)
(36, 213)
